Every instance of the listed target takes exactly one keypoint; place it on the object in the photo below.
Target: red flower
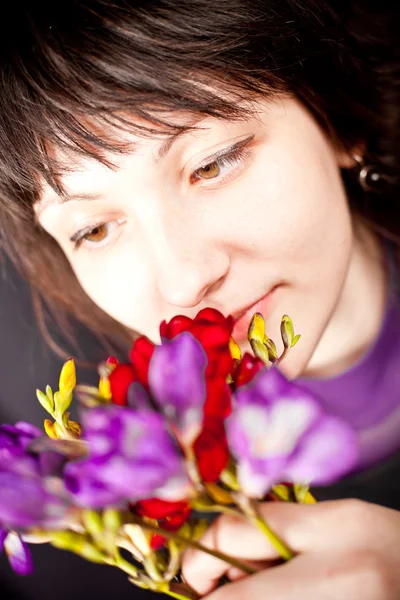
(213, 331)
(140, 356)
(125, 374)
(159, 509)
(211, 449)
(170, 516)
(120, 380)
(247, 369)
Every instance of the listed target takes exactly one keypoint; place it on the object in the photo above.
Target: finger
(233, 536)
(325, 526)
(234, 574)
(312, 576)
(280, 583)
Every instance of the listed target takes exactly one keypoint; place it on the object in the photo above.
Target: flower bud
(67, 377)
(45, 401)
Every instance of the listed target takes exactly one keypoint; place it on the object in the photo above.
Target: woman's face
(226, 215)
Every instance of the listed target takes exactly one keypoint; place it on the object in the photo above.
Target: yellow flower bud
(234, 349)
(67, 377)
(105, 388)
(49, 429)
(45, 401)
(257, 328)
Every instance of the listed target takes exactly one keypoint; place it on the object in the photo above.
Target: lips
(242, 318)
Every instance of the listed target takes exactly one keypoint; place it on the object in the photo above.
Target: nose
(188, 267)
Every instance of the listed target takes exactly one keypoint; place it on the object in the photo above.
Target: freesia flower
(278, 432)
(132, 456)
(155, 370)
(212, 330)
(31, 494)
(176, 380)
(170, 516)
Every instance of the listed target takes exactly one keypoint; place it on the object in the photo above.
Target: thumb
(329, 525)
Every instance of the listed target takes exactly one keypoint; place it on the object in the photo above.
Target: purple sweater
(367, 394)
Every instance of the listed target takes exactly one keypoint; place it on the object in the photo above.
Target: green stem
(278, 544)
(282, 356)
(193, 544)
(250, 510)
(126, 567)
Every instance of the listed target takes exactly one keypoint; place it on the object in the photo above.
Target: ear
(348, 159)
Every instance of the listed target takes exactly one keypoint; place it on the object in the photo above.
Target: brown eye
(209, 171)
(97, 234)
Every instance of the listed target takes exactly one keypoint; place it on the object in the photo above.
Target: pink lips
(242, 323)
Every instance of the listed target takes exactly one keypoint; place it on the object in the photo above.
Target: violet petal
(18, 554)
(176, 374)
(138, 398)
(326, 453)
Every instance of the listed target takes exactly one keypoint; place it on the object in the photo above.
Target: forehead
(109, 146)
(79, 168)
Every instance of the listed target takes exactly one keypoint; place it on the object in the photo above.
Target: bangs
(78, 77)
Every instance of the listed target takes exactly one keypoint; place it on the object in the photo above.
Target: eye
(210, 171)
(96, 235)
(223, 164)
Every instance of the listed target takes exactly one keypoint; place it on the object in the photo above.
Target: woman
(159, 157)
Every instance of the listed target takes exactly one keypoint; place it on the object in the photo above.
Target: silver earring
(370, 178)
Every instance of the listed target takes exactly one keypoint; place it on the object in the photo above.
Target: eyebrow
(160, 155)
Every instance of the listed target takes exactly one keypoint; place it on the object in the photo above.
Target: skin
(179, 240)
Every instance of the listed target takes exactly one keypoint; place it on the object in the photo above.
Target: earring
(370, 178)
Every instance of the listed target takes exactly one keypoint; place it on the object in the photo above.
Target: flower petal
(18, 554)
(176, 377)
(137, 397)
(326, 453)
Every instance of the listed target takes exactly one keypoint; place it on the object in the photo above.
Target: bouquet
(184, 429)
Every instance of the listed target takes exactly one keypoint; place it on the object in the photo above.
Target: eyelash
(232, 157)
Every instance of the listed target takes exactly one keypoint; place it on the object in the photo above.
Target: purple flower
(132, 456)
(278, 432)
(31, 496)
(14, 441)
(177, 383)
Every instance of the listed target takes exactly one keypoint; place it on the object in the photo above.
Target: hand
(345, 550)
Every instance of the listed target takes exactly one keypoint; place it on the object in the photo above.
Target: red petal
(159, 509)
(157, 541)
(211, 314)
(176, 325)
(218, 399)
(175, 522)
(211, 450)
(120, 379)
(140, 356)
(247, 369)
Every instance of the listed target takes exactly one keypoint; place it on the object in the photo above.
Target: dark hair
(71, 69)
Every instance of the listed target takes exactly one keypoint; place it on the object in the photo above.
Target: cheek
(292, 208)
(119, 284)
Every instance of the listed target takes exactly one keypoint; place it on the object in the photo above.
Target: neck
(357, 318)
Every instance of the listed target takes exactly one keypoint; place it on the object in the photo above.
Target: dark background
(27, 363)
